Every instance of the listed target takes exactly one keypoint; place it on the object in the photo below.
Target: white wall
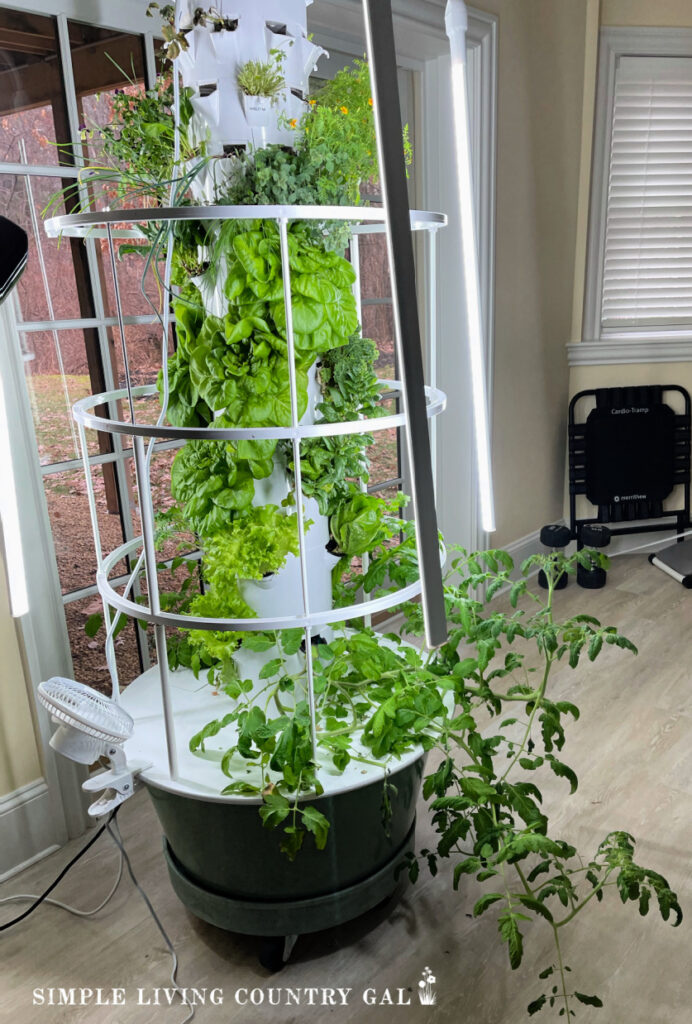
(540, 99)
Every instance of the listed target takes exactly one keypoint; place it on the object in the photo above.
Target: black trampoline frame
(652, 394)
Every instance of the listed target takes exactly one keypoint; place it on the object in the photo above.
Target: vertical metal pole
(143, 646)
(107, 611)
(121, 322)
(432, 249)
(147, 513)
(379, 30)
(357, 284)
(291, 349)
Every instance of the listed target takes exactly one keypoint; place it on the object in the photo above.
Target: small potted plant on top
(260, 82)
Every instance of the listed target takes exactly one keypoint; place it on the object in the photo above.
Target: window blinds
(647, 270)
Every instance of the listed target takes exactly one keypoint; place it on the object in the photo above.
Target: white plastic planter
(258, 110)
(223, 116)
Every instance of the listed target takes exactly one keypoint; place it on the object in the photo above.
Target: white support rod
(91, 498)
(146, 511)
(456, 24)
(168, 721)
(110, 620)
(121, 323)
(300, 513)
(357, 295)
(357, 284)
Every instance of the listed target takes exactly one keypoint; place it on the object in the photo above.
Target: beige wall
(631, 13)
(631, 374)
(19, 760)
(542, 45)
(663, 13)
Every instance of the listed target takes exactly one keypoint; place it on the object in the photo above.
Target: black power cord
(37, 902)
(111, 826)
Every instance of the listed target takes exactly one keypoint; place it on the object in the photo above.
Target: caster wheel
(591, 579)
(275, 951)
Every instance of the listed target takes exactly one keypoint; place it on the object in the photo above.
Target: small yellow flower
(293, 123)
(344, 110)
(312, 103)
(370, 101)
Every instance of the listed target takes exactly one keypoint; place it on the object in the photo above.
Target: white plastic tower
(223, 115)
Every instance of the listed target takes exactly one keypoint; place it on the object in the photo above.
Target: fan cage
(85, 709)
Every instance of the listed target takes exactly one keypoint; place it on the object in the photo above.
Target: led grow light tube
(9, 517)
(456, 23)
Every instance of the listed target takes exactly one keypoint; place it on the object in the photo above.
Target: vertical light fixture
(9, 517)
(456, 24)
(14, 252)
(381, 48)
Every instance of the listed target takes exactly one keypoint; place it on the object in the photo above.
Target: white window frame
(622, 345)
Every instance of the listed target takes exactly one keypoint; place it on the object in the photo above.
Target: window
(639, 274)
(56, 75)
(647, 264)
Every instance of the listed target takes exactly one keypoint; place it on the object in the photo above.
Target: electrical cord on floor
(22, 897)
(110, 826)
(114, 833)
(651, 544)
(38, 900)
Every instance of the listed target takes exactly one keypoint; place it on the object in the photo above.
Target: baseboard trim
(523, 548)
(26, 822)
(23, 795)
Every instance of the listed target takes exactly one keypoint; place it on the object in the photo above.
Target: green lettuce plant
(211, 484)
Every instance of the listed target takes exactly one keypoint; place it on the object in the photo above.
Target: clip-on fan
(91, 725)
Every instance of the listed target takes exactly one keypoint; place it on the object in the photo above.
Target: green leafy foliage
(358, 525)
(261, 77)
(212, 485)
(252, 546)
(350, 389)
(486, 803)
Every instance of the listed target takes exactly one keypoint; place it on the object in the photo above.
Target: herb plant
(261, 78)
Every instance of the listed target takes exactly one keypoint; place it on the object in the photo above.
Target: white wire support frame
(142, 550)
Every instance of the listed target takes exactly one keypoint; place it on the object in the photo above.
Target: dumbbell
(556, 538)
(593, 536)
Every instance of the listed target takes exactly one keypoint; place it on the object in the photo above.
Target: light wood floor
(632, 749)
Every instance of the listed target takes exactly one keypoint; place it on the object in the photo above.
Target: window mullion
(121, 474)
